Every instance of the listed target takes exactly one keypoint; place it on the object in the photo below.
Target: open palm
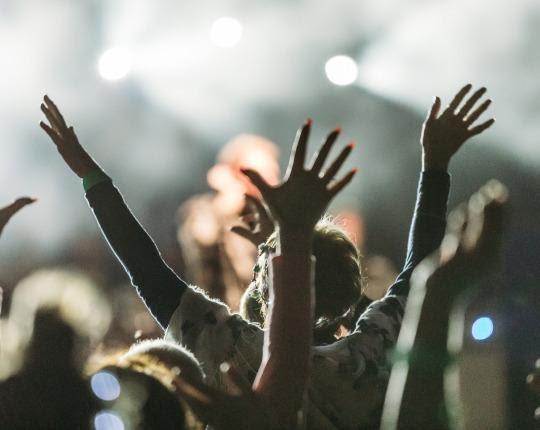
(301, 199)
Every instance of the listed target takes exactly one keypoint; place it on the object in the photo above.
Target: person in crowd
(216, 260)
(415, 395)
(279, 388)
(281, 381)
(137, 388)
(49, 391)
(287, 354)
(56, 317)
(347, 384)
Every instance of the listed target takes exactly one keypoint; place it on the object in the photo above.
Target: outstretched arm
(415, 395)
(277, 395)
(296, 205)
(156, 283)
(443, 134)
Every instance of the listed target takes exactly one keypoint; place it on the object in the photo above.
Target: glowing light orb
(482, 328)
(226, 32)
(107, 420)
(341, 70)
(105, 386)
(114, 64)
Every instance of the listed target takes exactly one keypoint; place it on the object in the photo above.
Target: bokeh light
(114, 64)
(341, 70)
(105, 386)
(226, 32)
(107, 420)
(482, 328)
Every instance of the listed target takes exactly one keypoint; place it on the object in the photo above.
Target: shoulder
(214, 334)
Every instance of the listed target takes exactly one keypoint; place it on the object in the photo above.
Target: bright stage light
(482, 328)
(114, 64)
(226, 32)
(105, 386)
(341, 70)
(108, 420)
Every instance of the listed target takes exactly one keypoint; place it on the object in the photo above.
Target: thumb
(24, 201)
(257, 180)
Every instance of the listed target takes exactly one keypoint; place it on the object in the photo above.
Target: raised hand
(444, 134)
(299, 202)
(242, 409)
(258, 221)
(469, 250)
(8, 211)
(66, 141)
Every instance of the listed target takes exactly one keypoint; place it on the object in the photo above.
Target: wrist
(93, 178)
(87, 170)
(432, 163)
(294, 241)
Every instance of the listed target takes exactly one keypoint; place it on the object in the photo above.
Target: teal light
(482, 328)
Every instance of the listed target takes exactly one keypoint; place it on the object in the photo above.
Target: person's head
(75, 299)
(137, 388)
(244, 151)
(338, 277)
(53, 341)
(170, 354)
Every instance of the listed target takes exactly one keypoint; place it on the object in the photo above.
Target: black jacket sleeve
(425, 235)
(158, 286)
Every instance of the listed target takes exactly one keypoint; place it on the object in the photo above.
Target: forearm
(155, 282)
(422, 401)
(284, 373)
(425, 235)
(416, 383)
(427, 226)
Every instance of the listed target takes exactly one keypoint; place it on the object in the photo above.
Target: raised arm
(296, 205)
(277, 394)
(415, 395)
(442, 136)
(365, 350)
(159, 287)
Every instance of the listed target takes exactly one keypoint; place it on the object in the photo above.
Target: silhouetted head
(53, 341)
(48, 389)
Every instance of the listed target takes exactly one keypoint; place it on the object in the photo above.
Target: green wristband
(93, 178)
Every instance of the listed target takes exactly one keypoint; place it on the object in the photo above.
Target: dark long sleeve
(425, 235)
(427, 227)
(158, 286)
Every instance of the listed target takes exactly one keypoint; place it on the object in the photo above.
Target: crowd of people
(308, 347)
